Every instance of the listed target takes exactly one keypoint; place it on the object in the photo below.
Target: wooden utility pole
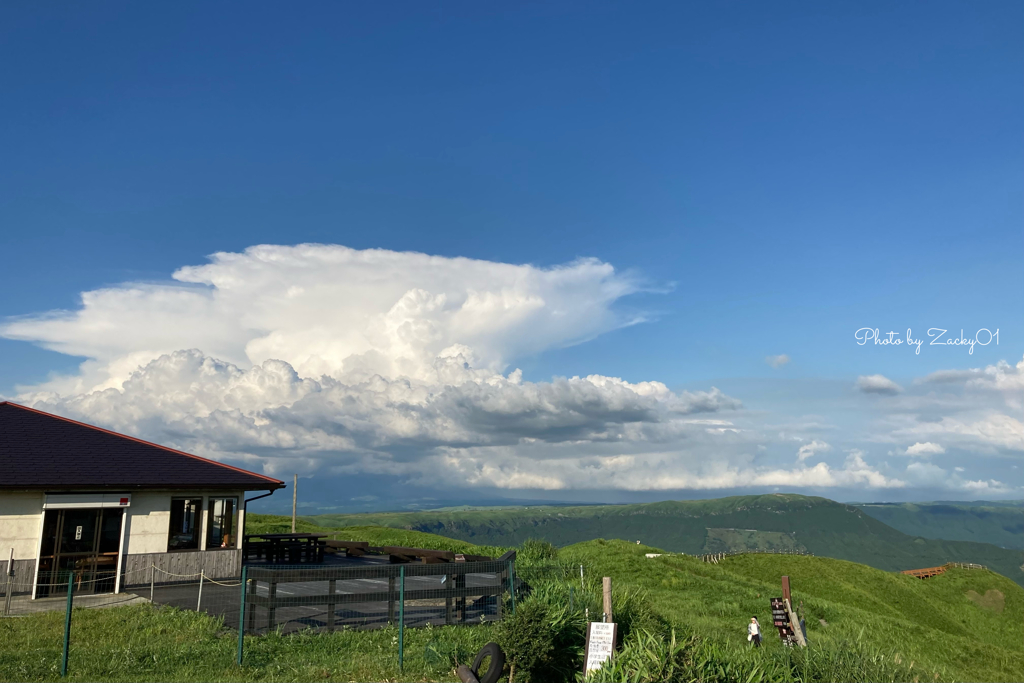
(295, 498)
(607, 585)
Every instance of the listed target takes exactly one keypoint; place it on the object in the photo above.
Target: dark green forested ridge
(773, 521)
(998, 523)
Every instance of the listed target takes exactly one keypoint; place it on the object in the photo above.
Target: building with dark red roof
(112, 510)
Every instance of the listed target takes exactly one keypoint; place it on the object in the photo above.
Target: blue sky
(771, 178)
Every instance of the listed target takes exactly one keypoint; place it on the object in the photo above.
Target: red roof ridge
(142, 441)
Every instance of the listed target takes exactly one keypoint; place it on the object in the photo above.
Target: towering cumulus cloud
(324, 357)
(331, 310)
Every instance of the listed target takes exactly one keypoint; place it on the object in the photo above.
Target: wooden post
(391, 599)
(295, 498)
(448, 605)
(500, 597)
(272, 604)
(607, 585)
(10, 578)
(252, 610)
(401, 618)
(241, 617)
(330, 604)
(794, 623)
(460, 602)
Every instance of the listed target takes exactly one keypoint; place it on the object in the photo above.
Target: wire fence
(284, 599)
(25, 593)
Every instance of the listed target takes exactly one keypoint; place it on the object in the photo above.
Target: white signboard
(600, 645)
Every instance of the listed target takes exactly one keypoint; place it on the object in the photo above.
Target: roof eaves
(274, 483)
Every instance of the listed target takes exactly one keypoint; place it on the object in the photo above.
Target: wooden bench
(351, 548)
(399, 554)
(290, 548)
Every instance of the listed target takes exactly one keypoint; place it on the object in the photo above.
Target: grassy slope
(1000, 525)
(145, 644)
(931, 623)
(824, 527)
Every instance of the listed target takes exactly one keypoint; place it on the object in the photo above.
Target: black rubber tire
(497, 667)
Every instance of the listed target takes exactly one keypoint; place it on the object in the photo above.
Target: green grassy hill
(777, 521)
(963, 625)
(998, 524)
(863, 624)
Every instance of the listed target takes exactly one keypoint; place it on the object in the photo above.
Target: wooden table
(286, 548)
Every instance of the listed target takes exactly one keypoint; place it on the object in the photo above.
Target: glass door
(83, 544)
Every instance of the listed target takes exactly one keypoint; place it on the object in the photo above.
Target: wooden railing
(715, 558)
(929, 572)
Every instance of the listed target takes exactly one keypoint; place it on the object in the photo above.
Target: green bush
(534, 550)
(528, 641)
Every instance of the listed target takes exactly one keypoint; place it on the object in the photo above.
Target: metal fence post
(152, 581)
(199, 600)
(241, 615)
(67, 626)
(401, 617)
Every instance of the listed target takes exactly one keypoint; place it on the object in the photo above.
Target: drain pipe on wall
(245, 511)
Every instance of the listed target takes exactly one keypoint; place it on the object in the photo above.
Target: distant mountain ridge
(1000, 523)
(784, 521)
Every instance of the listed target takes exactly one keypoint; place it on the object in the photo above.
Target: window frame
(197, 523)
(210, 519)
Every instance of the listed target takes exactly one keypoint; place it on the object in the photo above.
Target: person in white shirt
(754, 632)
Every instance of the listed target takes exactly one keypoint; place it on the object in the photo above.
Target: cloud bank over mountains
(325, 359)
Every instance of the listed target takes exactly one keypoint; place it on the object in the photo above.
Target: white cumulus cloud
(325, 359)
(924, 449)
(878, 384)
(813, 448)
(1001, 377)
(321, 357)
(332, 310)
(777, 361)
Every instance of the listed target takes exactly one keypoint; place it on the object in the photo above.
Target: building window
(220, 531)
(184, 533)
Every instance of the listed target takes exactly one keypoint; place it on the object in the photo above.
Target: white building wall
(149, 522)
(21, 519)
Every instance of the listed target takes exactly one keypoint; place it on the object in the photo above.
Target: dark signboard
(781, 620)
